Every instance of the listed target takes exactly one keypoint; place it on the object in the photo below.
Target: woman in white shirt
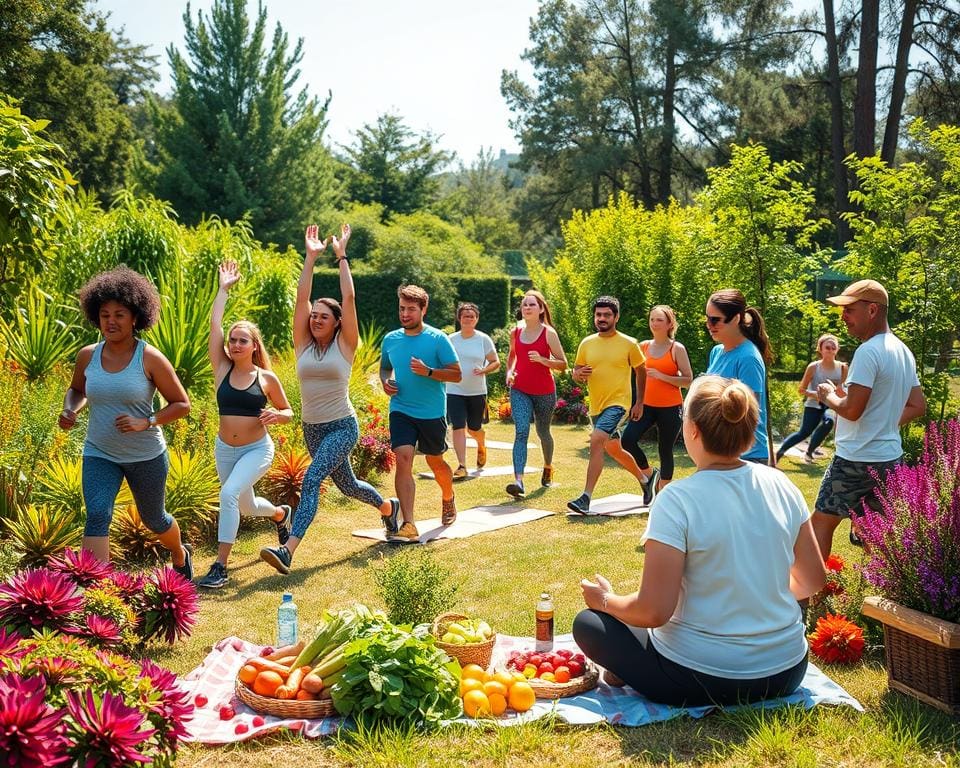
(729, 551)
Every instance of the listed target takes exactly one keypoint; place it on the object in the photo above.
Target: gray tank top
(819, 377)
(113, 394)
(324, 385)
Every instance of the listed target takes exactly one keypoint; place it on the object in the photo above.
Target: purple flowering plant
(571, 405)
(914, 557)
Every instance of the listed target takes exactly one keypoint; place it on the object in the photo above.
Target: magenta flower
(167, 700)
(38, 598)
(170, 606)
(109, 736)
(82, 565)
(8, 646)
(31, 731)
(56, 670)
(99, 630)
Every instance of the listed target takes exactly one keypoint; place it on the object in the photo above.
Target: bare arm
(558, 358)
(916, 406)
(512, 360)
(640, 380)
(76, 396)
(807, 574)
(493, 364)
(851, 406)
(386, 371)
(656, 600)
(685, 379)
(227, 275)
(449, 372)
(349, 327)
(804, 386)
(301, 313)
(281, 413)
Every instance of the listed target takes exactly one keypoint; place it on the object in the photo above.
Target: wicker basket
(284, 707)
(580, 684)
(467, 653)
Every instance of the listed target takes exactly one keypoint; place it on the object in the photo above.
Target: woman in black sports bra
(244, 451)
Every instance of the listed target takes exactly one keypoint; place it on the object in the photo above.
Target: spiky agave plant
(131, 541)
(39, 532)
(60, 484)
(281, 484)
(193, 492)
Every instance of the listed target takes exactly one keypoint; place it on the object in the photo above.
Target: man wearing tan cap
(882, 393)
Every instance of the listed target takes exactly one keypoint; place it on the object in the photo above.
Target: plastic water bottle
(286, 621)
(544, 635)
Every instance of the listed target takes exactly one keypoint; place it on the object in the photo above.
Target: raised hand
(314, 245)
(229, 274)
(340, 243)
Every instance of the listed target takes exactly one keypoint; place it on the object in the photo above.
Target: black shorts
(429, 436)
(466, 411)
(848, 485)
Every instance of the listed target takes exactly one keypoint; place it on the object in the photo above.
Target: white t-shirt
(473, 354)
(885, 365)
(736, 617)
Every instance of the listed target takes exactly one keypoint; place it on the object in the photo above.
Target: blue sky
(437, 63)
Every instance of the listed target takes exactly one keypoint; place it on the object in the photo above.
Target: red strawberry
(200, 700)
(579, 657)
(241, 728)
(536, 659)
(258, 721)
(227, 712)
(266, 650)
(565, 653)
(544, 667)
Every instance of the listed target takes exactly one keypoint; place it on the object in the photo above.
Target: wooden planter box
(923, 653)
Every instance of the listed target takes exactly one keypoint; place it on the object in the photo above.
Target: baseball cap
(862, 290)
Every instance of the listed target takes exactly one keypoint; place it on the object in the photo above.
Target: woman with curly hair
(119, 377)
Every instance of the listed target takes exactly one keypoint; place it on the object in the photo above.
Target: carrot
(312, 683)
(286, 661)
(262, 665)
(289, 689)
(303, 695)
(287, 650)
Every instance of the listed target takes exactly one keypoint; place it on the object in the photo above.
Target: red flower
(171, 605)
(100, 630)
(37, 598)
(82, 566)
(57, 670)
(834, 564)
(31, 731)
(167, 700)
(836, 640)
(109, 735)
(833, 587)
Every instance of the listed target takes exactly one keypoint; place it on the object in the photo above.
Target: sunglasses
(713, 320)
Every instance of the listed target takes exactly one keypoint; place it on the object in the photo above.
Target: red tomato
(544, 667)
(536, 659)
(575, 667)
(565, 653)
(241, 728)
(561, 675)
(226, 712)
(258, 721)
(200, 700)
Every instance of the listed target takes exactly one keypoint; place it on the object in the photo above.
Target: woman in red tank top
(535, 352)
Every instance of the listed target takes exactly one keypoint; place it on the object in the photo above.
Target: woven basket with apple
(469, 641)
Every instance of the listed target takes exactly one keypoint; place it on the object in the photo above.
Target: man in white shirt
(882, 393)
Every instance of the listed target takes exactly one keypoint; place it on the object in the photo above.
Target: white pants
(239, 467)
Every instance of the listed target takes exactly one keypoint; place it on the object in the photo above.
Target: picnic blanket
(468, 522)
(619, 706)
(485, 472)
(618, 505)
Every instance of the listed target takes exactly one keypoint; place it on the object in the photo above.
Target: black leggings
(668, 422)
(614, 646)
(815, 422)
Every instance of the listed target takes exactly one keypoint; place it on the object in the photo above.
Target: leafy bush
(274, 294)
(193, 493)
(571, 405)
(39, 338)
(785, 407)
(60, 484)
(281, 484)
(414, 586)
(39, 532)
(131, 541)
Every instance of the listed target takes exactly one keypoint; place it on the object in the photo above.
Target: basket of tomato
(555, 674)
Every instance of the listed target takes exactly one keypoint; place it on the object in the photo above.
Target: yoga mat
(485, 472)
(618, 505)
(468, 523)
(799, 450)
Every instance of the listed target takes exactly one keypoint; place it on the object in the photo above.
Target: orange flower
(836, 640)
(834, 564)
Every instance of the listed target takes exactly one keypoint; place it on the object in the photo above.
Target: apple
(529, 671)
(536, 659)
(548, 677)
(544, 668)
(565, 653)
(575, 667)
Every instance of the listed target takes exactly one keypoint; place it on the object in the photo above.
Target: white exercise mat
(485, 472)
(468, 523)
(618, 505)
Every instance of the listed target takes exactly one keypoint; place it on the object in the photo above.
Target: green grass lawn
(501, 574)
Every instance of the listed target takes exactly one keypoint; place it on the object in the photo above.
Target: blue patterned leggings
(330, 445)
(525, 408)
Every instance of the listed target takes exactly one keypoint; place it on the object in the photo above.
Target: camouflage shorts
(848, 485)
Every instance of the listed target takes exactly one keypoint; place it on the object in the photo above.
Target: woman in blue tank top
(118, 378)
(244, 451)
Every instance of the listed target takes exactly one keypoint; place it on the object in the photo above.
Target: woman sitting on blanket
(729, 551)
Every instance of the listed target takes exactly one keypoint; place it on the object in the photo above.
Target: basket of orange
(469, 641)
(555, 674)
(493, 694)
(273, 685)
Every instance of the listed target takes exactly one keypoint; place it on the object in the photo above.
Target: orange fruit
(476, 704)
(267, 683)
(494, 686)
(498, 704)
(470, 684)
(247, 674)
(474, 672)
(522, 697)
(501, 676)
(518, 677)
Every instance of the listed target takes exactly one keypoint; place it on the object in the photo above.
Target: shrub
(372, 457)
(414, 586)
(281, 484)
(39, 532)
(193, 492)
(785, 407)
(60, 484)
(41, 335)
(571, 405)
(131, 541)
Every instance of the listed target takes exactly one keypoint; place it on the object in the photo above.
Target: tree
(392, 166)
(60, 60)
(33, 181)
(235, 138)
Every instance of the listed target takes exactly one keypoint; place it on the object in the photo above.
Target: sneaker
(216, 577)
(278, 557)
(650, 487)
(283, 524)
(408, 534)
(391, 522)
(580, 505)
(186, 570)
(460, 473)
(481, 456)
(546, 477)
(515, 490)
(449, 511)
(819, 453)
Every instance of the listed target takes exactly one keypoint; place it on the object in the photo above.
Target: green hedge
(377, 298)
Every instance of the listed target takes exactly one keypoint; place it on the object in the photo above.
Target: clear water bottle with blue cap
(287, 621)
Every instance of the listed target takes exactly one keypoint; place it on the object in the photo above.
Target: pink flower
(81, 565)
(100, 630)
(171, 606)
(37, 598)
(167, 700)
(31, 731)
(561, 403)
(109, 735)
(8, 645)
(56, 670)
(128, 585)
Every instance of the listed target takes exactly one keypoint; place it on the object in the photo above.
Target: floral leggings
(330, 445)
(526, 408)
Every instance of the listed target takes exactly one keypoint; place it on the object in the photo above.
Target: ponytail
(755, 330)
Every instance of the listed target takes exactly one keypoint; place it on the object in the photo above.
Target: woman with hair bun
(742, 352)
(728, 553)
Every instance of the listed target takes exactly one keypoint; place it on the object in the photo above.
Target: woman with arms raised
(728, 553)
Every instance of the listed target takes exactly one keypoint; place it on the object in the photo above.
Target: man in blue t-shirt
(415, 362)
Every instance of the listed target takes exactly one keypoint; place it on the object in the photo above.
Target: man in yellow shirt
(604, 363)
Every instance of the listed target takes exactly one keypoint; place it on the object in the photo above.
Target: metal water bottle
(286, 621)
(544, 635)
